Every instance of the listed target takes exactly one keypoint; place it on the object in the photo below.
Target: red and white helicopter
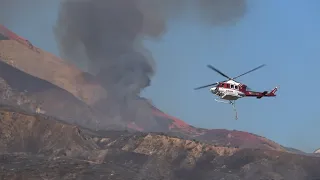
(232, 90)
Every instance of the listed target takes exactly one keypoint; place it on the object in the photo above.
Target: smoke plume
(105, 37)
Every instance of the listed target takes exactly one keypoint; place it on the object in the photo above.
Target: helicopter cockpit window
(236, 87)
(232, 86)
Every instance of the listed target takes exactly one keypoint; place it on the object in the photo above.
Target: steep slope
(21, 54)
(70, 94)
(40, 147)
(33, 94)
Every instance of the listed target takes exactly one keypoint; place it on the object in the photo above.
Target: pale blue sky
(283, 34)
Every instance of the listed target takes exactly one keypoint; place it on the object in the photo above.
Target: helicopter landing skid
(233, 105)
(222, 101)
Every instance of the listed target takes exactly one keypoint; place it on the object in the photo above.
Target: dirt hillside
(35, 146)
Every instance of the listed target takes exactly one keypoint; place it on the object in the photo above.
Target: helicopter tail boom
(270, 94)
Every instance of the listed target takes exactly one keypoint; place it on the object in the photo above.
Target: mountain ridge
(37, 146)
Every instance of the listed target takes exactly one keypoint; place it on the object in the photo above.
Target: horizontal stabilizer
(262, 94)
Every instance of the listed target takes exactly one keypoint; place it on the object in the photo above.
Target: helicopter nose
(212, 89)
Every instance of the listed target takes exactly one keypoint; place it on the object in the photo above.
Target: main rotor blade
(216, 70)
(250, 71)
(205, 86)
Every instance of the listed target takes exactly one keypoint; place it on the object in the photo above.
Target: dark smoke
(220, 12)
(108, 36)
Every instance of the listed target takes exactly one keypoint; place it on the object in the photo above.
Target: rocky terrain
(35, 146)
(51, 127)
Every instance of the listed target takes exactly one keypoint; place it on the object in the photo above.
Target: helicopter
(230, 90)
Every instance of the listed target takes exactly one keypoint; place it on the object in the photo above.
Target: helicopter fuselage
(231, 92)
(227, 94)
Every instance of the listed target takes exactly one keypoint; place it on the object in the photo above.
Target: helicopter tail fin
(273, 92)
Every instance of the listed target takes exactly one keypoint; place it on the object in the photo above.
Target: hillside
(33, 78)
(35, 146)
(21, 54)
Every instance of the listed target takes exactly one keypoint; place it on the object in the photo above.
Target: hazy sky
(282, 34)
